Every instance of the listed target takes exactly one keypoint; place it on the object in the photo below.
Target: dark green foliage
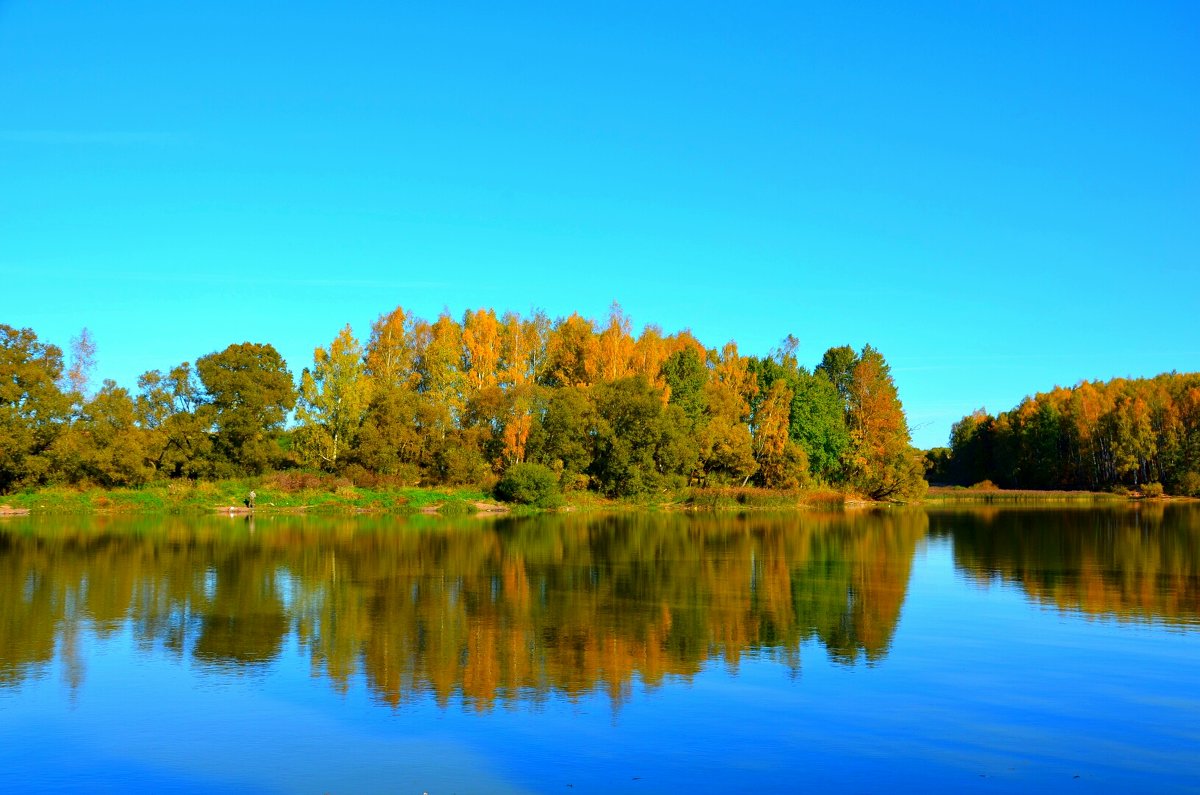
(251, 391)
(686, 375)
(626, 436)
(529, 484)
(33, 409)
(819, 425)
(937, 465)
(564, 437)
(818, 413)
(402, 430)
(837, 366)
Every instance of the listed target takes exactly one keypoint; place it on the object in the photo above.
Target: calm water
(991, 650)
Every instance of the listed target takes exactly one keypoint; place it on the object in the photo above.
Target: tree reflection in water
(1131, 563)
(480, 611)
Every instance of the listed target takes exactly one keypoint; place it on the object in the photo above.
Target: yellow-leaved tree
(334, 396)
(882, 462)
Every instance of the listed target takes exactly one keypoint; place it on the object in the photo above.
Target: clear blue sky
(1001, 197)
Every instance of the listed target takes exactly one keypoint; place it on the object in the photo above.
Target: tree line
(1097, 435)
(460, 402)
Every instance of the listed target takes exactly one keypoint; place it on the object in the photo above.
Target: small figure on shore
(250, 500)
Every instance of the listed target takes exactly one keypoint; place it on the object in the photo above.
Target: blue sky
(1001, 197)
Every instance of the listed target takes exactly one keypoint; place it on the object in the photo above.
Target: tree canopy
(464, 400)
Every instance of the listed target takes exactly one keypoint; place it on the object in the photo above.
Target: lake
(977, 649)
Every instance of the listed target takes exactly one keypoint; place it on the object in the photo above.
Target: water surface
(964, 650)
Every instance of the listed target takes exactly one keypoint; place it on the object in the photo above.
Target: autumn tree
(334, 396)
(614, 347)
(482, 349)
(571, 353)
(438, 362)
(781, 462)
(524, 348)
(390, 351)
(726, 448)
(882, 463)
(523, 354)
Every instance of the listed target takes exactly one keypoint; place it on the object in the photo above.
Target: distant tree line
(1120, 433)
(460, 402)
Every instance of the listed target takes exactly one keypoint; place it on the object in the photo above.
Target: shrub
(1189, 484)
(529, 484)
(1152, 490)
(985, 485)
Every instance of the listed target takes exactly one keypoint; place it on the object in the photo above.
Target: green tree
(636, 444)
(251, 391)
(686, 375)
(562, 438)
(529, 484)
(401, 432)
(176, 421)
(818, 424)
(104, 445)
(33, 409)
(837, 365)
(817, 415)
(971, 449)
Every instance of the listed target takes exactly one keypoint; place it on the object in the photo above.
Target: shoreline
(227, 498)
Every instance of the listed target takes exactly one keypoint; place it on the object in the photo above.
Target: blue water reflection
(987, 650)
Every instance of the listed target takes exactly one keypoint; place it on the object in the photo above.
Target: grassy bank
(220, 495)
(326, 494)
(974, 496)
(293, 493)
(335, 496)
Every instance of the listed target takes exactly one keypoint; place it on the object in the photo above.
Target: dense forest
(464, 402)
(1134, 433)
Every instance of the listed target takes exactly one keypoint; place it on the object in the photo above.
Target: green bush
(529, 484)
(1152, 490)
(1189, 484)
